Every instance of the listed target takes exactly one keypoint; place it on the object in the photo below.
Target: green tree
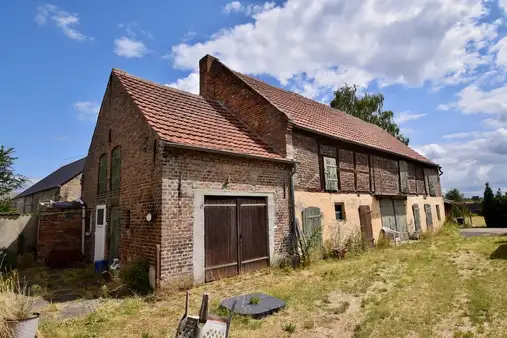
(9, 180)
(488, 205)
(368, 108)
(455, 195)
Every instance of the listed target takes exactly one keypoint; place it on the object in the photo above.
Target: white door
(100, 232)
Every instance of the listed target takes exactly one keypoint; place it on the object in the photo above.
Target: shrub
(15, 301)
(136, 275)
(8, 260)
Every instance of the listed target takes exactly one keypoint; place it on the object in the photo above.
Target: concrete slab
(474, 232)
(266, 305)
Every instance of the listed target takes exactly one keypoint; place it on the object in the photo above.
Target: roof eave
(227, 152)
(364, 145)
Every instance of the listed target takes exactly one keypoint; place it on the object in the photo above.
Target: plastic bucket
(26, 328)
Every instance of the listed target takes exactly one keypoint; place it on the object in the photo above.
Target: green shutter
(417, 217)
(312, 224)
(114, 234)
(429, 217)
(115, 168)
(102, 174)
(403, 177)
(330, 174)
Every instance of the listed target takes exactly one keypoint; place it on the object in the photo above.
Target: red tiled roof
(323, 119)
(187, 119)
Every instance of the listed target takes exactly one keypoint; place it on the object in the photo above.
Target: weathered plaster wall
(326, 202)
(421, 201)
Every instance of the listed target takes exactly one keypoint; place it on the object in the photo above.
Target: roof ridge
(326, 108)
(334, 110)
(162, 86)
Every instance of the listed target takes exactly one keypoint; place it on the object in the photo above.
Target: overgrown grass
(444, 285)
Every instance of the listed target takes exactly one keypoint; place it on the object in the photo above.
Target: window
(330, 174)
(100, 216)
(115, 169)
(438, 212)
(102, 174)
(339, 211)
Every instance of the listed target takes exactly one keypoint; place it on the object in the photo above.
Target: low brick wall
(59, 237)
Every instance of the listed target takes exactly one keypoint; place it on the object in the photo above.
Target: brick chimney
(205, 84)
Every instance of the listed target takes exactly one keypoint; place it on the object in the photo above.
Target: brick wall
(59, 236)
(305, 150)
(199, 170)
(357, 166)
(218, 82)
(140, 187)
(71, 190)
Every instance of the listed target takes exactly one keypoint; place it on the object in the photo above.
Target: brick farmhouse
(207, 186)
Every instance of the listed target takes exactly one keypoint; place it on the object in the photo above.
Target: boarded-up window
(102, 174)
(403, 177)
(431, 179)
(330, 174)
(312, 224)
(115, 168)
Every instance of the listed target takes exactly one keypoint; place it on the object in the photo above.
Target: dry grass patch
(415, 290)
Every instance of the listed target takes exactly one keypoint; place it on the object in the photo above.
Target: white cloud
(473, 100)
(249, 9)
(66, 21)
(468, 165)
(86, 110)
(408, 116)
(391, 41)
(459, 135)
(188, 84)
(501, 49)
(234, 6)
(130, 48)
(503, 4)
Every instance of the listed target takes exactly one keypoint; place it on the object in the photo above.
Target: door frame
(198, 228)
(102, 244)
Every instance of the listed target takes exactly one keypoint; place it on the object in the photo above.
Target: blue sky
(439, 63)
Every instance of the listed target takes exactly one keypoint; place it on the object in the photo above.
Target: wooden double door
(394, 214)
(235, 235)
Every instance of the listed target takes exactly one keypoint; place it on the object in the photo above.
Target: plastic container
(100, 265)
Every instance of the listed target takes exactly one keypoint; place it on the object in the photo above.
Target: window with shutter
(403, 177)
(330, 174)
(102, 174)
(115, 168)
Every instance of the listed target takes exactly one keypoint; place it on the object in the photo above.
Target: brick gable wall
(255, 111)
(140, 176)
(185, 171)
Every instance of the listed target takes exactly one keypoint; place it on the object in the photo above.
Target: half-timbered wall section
(326, 165)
